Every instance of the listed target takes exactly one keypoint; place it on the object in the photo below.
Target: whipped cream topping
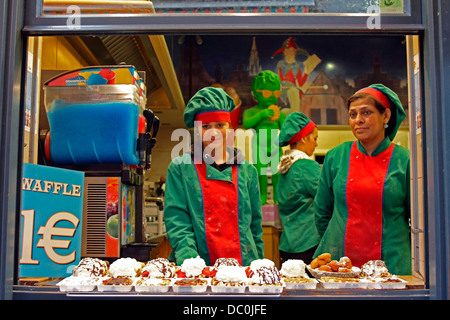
(256, 264)
(221, 262)
(91, 267)
(160, 268)
(126, 267)
(293, 268)
(266, 275)
(231, 274)
(375, 269)
(193, 267)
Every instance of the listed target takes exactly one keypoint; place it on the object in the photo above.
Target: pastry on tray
(210, 272)
(152, 282)
(324, 266)
(154, 285)
(91, 267)
(256, 264)
(229, 279)
(379, 277)
(374, 269)
(118, 283)
(159, 268)
(342, 283)
(125, 267)
(77, 284)
(190, 285)
(192, 268)
(294, 276)
(265, 280)
(340, 280)
(221, 262)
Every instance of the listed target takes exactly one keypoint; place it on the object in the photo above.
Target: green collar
(382, 147)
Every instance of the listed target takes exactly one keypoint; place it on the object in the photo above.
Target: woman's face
(214, 134)
(366, 121)
(310, 142)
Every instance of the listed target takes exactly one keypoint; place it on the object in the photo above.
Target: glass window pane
(54, 7)
(280, 6)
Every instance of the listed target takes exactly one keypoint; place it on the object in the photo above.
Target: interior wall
(161, 154)
(58, 54)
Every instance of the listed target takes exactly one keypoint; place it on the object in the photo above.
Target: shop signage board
(51, 221)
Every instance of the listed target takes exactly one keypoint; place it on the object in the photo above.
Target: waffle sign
(52, 209)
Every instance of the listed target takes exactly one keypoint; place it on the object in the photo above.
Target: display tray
(229, 289)
(319, 274)
(149, 285)
(301, 284)
(183, 285)
(342, 283)
(85, 285)
(384, 284)
(175, 286)
(265, 289)
(77, 284)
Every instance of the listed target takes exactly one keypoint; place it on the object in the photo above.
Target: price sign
(51, 228)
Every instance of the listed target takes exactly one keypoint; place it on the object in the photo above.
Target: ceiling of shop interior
(148, 54)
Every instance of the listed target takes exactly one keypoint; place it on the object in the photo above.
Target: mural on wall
(318, 73)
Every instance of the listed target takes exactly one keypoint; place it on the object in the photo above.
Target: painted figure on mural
(293, 78)
(266, 119)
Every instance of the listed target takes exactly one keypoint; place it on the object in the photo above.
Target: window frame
(414, 22)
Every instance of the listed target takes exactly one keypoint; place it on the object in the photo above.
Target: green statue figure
(266, 119)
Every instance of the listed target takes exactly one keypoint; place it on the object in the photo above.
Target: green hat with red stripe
(296, 126)
(390, 100)
(209, 105)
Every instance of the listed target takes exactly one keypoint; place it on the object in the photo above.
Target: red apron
(220, 207)
(364, 195)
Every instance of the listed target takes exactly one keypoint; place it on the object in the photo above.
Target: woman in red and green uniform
(299, 179)
(212, 205)
(362, 205)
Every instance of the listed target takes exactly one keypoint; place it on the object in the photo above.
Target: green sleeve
(324, 200)
(255, 199)
(177, 216)
(312, 178)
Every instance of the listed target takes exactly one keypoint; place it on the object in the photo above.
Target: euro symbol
(49, 230)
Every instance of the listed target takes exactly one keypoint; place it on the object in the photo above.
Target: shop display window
(332, 74)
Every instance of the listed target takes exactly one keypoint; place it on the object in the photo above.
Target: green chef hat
(390, 100)
(296, 126)
(208, 105)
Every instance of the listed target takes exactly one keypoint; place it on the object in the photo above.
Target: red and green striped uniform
(362, 206)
